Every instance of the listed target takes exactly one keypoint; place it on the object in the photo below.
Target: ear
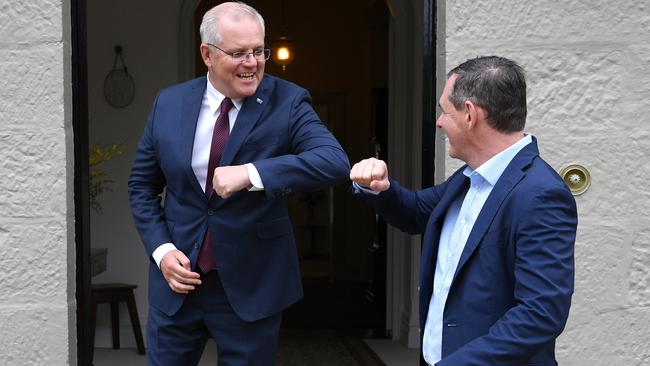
(473, 114)
(205, 54)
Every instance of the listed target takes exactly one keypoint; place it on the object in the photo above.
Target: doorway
(347, 74)
(345, 68)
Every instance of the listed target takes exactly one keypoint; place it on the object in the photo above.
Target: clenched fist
(230, 179)
(371, 173)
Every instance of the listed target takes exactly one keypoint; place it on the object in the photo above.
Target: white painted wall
(37, 265)
(587, 64)
(147, 31)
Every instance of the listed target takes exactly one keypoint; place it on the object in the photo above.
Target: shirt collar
(492, 169)
(215, 98)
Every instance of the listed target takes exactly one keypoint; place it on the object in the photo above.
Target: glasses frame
(242, 56)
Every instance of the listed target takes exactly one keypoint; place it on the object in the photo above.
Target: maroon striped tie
(219, 140)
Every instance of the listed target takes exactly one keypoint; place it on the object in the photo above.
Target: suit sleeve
(543, 279)
(146, 185)
(316, 159)
(404, 209)
(407, 210)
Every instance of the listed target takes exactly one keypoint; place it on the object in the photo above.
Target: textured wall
(36, 223)
(589, 91)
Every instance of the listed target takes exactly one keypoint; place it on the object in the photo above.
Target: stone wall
(588, 94)
(37, 306)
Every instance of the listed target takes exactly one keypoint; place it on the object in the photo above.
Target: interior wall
(147, 31)
(588, 96)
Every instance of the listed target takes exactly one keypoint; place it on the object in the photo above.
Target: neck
(490, 144)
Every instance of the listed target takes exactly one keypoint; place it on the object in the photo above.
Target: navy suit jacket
(278, 131)
(511, 291)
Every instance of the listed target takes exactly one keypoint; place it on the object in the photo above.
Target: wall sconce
(283, 46)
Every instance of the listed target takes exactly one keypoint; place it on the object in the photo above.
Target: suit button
(196, 245)
(210, 212)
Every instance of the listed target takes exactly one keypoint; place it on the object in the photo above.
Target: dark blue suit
(278, 131)
(511, 291)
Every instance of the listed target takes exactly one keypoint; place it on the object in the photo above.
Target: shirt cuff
(359, 189)
(254, 177)
(160, 252)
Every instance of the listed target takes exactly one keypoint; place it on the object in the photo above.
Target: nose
(439, 121)
(250, 59)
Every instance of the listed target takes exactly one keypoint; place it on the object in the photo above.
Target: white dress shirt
(210, 109)
(458, 223)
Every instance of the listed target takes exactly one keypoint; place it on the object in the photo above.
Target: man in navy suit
(226, 151)
(497, 266)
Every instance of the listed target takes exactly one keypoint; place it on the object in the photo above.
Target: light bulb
(283, 53)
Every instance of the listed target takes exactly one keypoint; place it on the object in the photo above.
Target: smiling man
(497, 267)
(226, 150)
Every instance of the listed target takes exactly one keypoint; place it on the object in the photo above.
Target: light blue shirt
(458, 224)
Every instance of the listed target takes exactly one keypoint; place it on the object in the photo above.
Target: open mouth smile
(246, 75)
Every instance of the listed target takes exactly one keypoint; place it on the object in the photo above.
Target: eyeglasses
(260, 54)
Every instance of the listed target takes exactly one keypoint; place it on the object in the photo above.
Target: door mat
(324, 348)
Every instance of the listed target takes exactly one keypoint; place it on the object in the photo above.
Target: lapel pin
(259, 101)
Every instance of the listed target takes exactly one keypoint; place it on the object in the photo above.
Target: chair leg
(135, 322)
(94, 325)
(115, 324)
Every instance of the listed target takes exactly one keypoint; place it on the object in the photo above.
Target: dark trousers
(179, 340)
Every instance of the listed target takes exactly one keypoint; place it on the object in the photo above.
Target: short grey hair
(209, 25)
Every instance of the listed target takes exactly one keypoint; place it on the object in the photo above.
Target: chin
(246, 93)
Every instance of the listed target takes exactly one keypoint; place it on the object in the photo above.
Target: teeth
(247, 75)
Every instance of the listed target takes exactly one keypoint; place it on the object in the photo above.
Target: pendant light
(283, 46)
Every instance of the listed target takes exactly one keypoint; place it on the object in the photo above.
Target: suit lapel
(508, 180)
(456, 187)
(191, 106)
(246, 119)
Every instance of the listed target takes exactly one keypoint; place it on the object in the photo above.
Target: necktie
(219, 140)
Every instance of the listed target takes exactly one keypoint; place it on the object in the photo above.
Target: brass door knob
(576, 177)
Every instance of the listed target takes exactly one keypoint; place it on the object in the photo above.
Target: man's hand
(230, 179)
(371, 173)
(175, 266)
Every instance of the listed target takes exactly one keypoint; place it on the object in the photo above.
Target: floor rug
(324, 348)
